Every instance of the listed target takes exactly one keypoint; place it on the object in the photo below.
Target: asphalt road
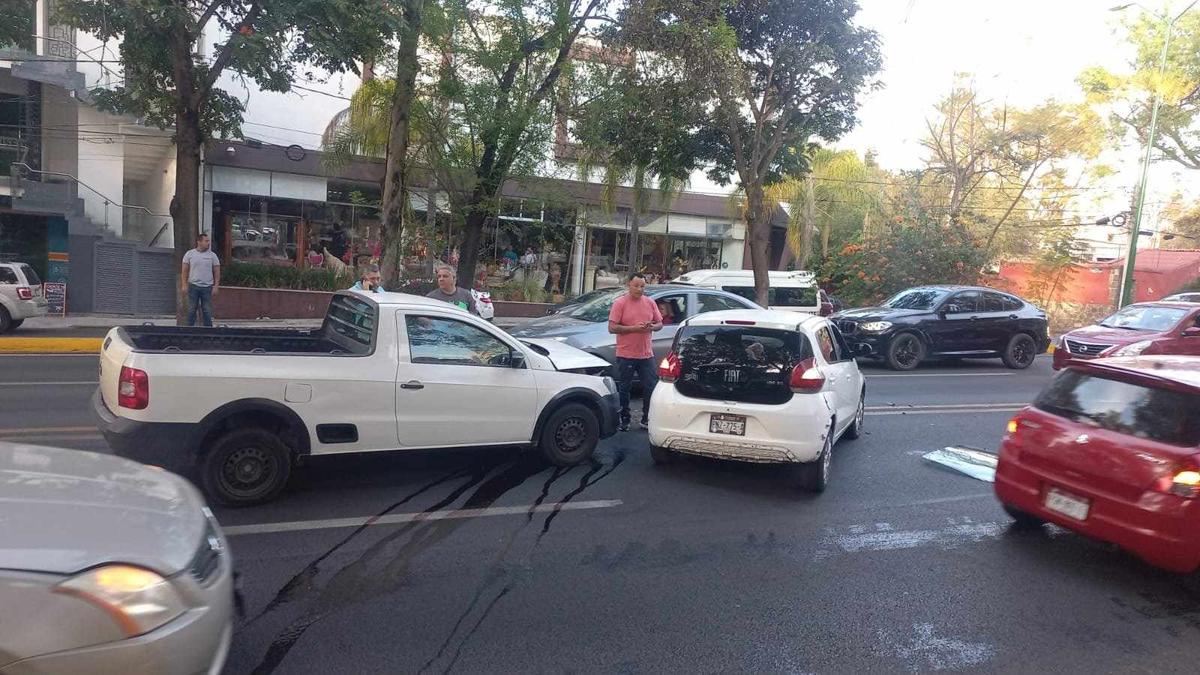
(703, 566)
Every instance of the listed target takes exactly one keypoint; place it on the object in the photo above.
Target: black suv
(947, 322)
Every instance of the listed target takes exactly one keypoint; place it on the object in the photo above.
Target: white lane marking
(304, 525)
(951, 409)
(944, 375)
(49, 356)
(924, 650)
(44, 431)
(873, 538)
(48, 384)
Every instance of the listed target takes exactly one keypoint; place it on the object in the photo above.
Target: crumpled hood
(564, 356)
(63, 511)
(552, 326)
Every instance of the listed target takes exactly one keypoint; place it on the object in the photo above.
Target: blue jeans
(199, 297)
(647, 372)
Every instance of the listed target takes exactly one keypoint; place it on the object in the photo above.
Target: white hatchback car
(759, 386)
(21, 295)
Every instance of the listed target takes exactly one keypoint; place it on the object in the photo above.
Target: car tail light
(1183, 483)
(670, 368)
(133, 392)
(24, 292)
(806, 377)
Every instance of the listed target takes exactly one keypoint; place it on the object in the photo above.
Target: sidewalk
(84, 333)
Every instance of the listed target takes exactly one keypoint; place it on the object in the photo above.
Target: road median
(50, 345)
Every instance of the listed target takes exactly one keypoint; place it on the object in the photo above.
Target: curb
(51, 345)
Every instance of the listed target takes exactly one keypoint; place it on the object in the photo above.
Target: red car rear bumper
(1159, 528)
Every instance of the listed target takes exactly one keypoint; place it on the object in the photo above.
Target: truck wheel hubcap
(246, 470)
(571, 434)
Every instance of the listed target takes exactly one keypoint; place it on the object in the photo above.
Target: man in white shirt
(200, 279)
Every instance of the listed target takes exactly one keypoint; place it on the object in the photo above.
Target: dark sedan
(947, 322)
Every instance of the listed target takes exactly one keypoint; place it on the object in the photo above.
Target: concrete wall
(60, 149)
(101, 168)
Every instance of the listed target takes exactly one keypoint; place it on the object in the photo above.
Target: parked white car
(21, 295)
(108, 566)
(758, 386)
(789, 291)
(235, 407)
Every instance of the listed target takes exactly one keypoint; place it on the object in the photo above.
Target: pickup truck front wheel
(570, 435)
(245, 467)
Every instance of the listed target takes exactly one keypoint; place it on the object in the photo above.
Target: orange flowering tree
(908, 254)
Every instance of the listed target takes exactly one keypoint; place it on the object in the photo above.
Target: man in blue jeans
(634, 318)
(200, 279)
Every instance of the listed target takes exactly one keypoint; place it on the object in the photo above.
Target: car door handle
(412, 384)
(1014, 317)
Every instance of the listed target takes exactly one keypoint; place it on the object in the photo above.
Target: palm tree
(838, 184)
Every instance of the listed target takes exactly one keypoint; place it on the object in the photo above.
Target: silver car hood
(566, 357)
(63, 511)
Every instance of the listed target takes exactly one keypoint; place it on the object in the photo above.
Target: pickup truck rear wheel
(570, 435)
(245, 467)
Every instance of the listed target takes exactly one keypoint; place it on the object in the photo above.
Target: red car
(1146, 328)
(1111, 449)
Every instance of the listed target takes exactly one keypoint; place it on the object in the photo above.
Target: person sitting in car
(668, 312)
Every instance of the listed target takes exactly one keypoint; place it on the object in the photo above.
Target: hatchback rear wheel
(1021, 518)
(814, 476)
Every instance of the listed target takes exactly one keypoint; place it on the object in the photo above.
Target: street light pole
(1126, 296)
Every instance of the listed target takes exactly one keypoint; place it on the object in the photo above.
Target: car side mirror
(1194, 331)
(516, 360)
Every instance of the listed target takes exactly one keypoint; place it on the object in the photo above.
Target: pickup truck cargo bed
(232, 340)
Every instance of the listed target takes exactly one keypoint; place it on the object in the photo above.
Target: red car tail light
(670, 368)
(806, 377)
(133, 392)
(1184, 483)
(24, 292)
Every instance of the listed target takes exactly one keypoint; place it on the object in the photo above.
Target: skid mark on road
(501, 571)
(924, 650)
(383, 568)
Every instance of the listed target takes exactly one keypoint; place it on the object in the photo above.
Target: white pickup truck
(234, 408)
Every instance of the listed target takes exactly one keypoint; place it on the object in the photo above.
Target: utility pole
(1126, 295)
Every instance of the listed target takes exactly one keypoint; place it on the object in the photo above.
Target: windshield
(917, 298)
(1146, 317)
(31, 277)
(596, 309)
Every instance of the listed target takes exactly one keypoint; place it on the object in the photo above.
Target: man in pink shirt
(633, 318)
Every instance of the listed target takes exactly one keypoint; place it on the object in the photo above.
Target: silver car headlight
(876, 326)
(1134, 349)
(136, 598)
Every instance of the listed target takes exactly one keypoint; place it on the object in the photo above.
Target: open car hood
(565, 357)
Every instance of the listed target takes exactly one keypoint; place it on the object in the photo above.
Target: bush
(867, 272)
(257, 275)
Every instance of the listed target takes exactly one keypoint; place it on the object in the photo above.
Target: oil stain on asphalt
(383, 567)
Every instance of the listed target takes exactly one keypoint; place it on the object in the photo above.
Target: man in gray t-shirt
(448, 291)
(200, 279)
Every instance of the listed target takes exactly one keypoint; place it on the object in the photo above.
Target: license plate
(1067, 504)
(731, 425)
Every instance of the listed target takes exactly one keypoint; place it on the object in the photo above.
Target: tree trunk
(395, 205)
(759, 232)
(635, 226)
(809, 219)
(468, 256)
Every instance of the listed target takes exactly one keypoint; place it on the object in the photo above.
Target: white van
(790, 291)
